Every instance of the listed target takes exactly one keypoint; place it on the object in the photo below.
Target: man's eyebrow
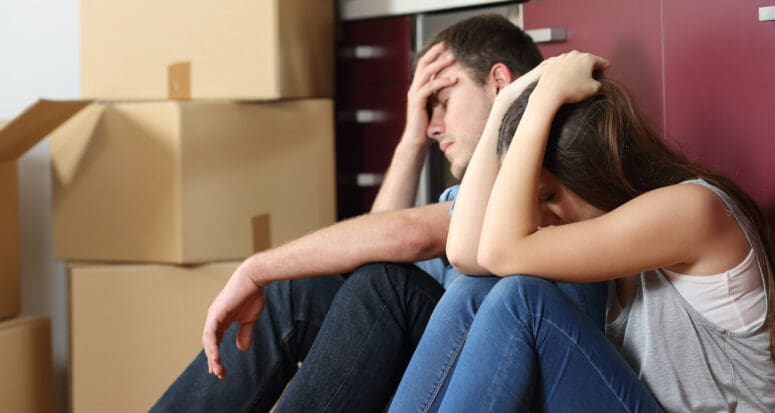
(433, 101)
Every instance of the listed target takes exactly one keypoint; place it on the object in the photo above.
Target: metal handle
(367, 180)
(362, 52)
(547, 34)
(766, 13)
(363, 116)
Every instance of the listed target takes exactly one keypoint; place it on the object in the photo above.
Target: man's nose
(435, 127)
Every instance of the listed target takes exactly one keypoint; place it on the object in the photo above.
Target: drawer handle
(368, 180)
(766, 13)
(547, 34)
(362, 52)
(363, 116)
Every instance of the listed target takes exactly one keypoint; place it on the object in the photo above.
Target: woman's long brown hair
(603, 150)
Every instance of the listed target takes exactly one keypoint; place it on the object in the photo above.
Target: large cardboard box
(178, 182)
(232, 49)
(134, 329)
(25, 354)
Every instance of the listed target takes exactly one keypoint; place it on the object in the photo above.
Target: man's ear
(501, 76)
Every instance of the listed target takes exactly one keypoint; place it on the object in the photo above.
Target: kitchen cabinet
(719, 89)
(374, 71)
(626, 32)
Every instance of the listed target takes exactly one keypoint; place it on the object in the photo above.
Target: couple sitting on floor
(630, 250)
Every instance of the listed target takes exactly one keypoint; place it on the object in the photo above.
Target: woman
(587, 192)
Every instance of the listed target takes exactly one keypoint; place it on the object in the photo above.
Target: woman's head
(601, 149)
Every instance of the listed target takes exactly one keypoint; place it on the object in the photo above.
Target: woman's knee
(464, 296)
(520, 294)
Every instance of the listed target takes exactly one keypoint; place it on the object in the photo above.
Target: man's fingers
(437, 84)
(211, 338)
(432, 54)
(245, 336)
(426, 73)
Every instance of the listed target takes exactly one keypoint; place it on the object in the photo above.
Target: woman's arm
(679, 226)
(471, 201)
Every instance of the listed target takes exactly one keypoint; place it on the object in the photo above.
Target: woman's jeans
(515, 344)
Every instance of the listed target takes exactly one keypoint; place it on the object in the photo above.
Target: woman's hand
(567, 78)
(514, 90)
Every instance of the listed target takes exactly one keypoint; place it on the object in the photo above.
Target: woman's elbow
(465, 265)
(494, 260)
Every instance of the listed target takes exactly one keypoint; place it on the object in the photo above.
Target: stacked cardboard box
(25, 342)
(25, 354)
(207, 115)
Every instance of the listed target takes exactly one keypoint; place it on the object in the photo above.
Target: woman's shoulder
(704, 220)
(692, 197)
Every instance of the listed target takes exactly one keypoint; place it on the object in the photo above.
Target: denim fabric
(439, 362)
(368, 337)
(439, 268)
(255, 378)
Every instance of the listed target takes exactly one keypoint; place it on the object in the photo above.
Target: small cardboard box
(16, 138)
(232, 49)
(178, 182)
(134, 329)
(25, 354)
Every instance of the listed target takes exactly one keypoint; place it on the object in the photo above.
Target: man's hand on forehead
(422, 95)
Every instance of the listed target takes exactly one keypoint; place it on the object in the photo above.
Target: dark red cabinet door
(720, 89)
(626, 32)
(373, 76)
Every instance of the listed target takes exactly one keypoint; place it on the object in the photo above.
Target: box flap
(34, 124)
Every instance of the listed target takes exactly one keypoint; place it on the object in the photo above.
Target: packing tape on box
(261, 234)
(179, 80)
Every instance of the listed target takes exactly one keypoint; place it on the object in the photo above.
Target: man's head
(490, 52)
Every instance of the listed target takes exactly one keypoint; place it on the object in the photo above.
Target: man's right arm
(405, 235)
(397, 236)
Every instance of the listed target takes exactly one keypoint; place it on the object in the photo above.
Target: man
(381, 309)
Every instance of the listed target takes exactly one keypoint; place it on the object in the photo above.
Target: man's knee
(383, 274)
(389, 280)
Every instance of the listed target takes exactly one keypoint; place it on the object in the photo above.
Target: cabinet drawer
(371, 116)
(375, 51)
(353, 160)
(353, 200)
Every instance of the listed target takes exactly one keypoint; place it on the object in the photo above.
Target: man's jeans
(517, 343)
(365, 343)
(255, 378)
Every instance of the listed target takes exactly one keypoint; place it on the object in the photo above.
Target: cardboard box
(235, 49)
(134, 329)
(178, 182)
(10, 260)
(17, 137)
(25, 354)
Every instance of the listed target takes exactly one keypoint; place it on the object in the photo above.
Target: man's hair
(480, 42)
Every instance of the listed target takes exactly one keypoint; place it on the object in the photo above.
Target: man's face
(458, 114)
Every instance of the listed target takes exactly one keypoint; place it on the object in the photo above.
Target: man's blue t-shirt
(439, 268)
